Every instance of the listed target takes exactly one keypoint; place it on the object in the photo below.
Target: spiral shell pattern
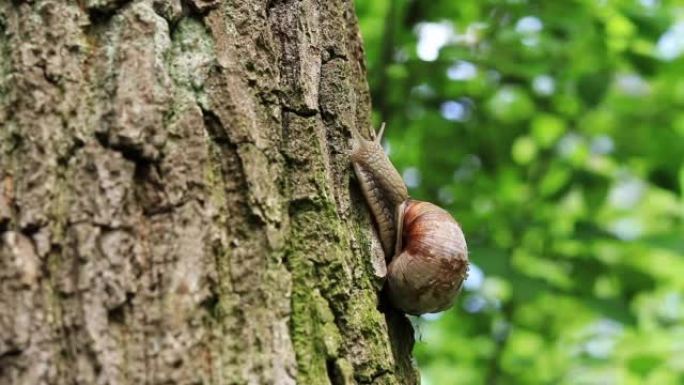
(427, 273)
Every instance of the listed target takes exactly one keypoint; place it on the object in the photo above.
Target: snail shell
(431, 263)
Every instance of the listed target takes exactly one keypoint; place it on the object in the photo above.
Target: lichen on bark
(175, 196)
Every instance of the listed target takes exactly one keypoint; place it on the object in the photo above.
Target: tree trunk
(176, 204)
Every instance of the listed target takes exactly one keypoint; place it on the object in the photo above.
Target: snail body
(382, 186)
(427, 248)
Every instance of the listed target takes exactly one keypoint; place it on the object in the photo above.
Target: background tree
(175, 199)
(554, 131)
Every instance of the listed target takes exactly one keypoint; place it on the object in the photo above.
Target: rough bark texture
(175, 196)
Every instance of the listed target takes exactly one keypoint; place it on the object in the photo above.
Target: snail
(429, 255)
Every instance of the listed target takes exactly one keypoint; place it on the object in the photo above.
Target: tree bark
(176, 204)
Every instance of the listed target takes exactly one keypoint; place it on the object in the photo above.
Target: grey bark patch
(204, 5)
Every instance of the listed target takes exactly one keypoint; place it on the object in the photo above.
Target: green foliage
(554, 132)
